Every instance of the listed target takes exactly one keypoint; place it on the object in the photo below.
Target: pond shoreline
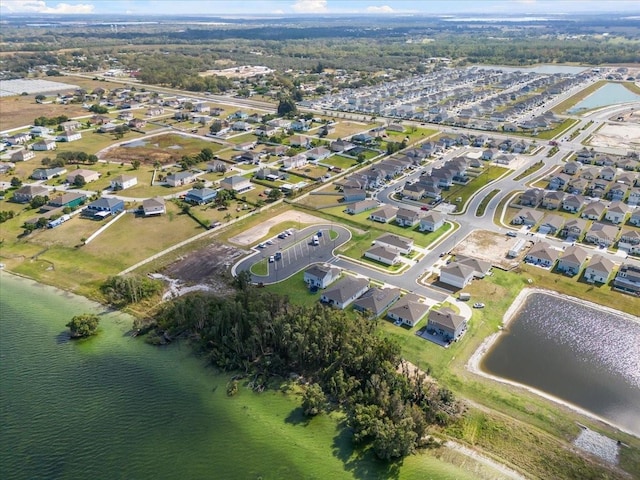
(474, 362)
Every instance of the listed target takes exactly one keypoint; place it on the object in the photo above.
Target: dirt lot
(488, 246)
(250, 236)
(22, 110)
(210, 266)
(619, 136)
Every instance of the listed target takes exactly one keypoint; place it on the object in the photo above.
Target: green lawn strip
(467, 191)
(485, 201)
(577, 98)
(532, 169)
(260, 268)
(632, 86)
(340, 161)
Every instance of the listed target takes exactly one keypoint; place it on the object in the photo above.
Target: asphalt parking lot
(297, 252)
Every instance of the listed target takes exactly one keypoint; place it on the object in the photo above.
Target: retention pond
(576, 352)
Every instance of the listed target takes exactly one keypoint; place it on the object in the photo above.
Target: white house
(409, 310)
(384, 255)
(345, 292)
(431, 222)
(122, 182)
(321, 276)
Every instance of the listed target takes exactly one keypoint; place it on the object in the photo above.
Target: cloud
(310, 6)
(380, 9)
(40, 6)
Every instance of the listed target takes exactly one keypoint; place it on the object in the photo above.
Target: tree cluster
(83, 325)
(126, 289)
(347, 362)
(49, 121)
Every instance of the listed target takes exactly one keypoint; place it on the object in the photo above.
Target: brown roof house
(376, 300)
(384, 214)
(542, 254)
(573, 228)
(407, 218)
(601, 234)
(431, 222)
(527, 216)
(409, 310)
(153, 206)
(593, 211)
(616, 212)
(27, 193)
(598, 270)
(447, 323)
(345, 292)
(572, 260)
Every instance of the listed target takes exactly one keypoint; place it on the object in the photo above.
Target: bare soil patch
(210, 266)
(619, 136)
(488, 246)
(21, 111)
(252, 235)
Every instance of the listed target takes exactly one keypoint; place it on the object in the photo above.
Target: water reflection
(583, 355)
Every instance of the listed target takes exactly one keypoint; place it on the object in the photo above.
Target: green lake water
(112, 407)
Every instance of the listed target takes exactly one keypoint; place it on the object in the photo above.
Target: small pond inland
(609, 94)
(580, 354)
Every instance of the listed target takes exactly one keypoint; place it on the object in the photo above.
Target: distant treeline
(346, 361)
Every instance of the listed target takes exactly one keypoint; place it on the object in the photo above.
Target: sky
(311, 7)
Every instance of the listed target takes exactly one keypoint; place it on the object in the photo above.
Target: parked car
(511, 234)
(271, 259)
(478, 305)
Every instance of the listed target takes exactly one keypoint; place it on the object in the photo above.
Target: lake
(113, 407)
(608, 94)
(580, 354)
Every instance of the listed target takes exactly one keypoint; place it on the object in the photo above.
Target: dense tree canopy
(83, 325)
(349, 364)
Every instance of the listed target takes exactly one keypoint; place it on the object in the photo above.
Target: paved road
(297, 252)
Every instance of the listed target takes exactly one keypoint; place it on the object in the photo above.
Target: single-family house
(48, 173)
(362, 206)
(180, 178)
(44, 145)
(122, 182)
(552, 200)
(321, 276)
(571, 168)
(153, 206)
(343, 293)
(384, 214)
(447, 323)
(572, 260)
(39, 131)
(383, 254)
(26, 193)
(628, 279)
(103, 207)
(532, 197)
(601, 234)
(598, 269)
(18, 139)
(527, 216)
(542, 254)
(300, 141)
(617, 192)
(71, 125)
(616, 212)
(86, 175)
(573, 228)
(22, 155)
(593, 211)
(236, 184)
(456, 274)
(630, 240)
(559, 181)
(572, 203)
(354, 194)
(318, 153)
(407, 218)
(341, 146)
(414, 191)
(68, 199)
(395, 242)
(551, 224)
(634, 219)
(201, 196)
(409, 310)
(69, 136)
(376, 300)
(297, 161)
(431, 222)
(608, 173)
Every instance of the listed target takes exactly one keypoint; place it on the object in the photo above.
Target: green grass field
(465, 192)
